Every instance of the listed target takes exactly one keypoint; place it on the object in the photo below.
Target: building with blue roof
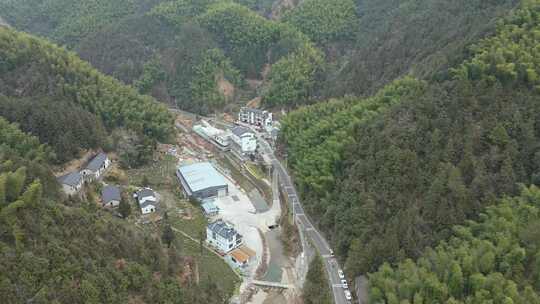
(209, 208)
(202, 181)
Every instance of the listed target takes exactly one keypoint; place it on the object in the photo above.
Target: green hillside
(492, 260)
(391, 174)
(39, 79)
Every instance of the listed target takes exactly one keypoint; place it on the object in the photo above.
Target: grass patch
(211, 267)
(161, 176)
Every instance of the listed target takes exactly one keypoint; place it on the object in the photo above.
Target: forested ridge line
(394, 178)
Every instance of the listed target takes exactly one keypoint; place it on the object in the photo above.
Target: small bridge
(271, 284)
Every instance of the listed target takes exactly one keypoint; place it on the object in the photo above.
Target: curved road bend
(311, 232)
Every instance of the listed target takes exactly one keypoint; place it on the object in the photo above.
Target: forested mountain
(192, 54)
(492, 260)
(45, 88)
(69, 252)
(389, 175)
(394, 38)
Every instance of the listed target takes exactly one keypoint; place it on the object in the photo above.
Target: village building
(210, 209)
(96, 167)
(222, 236)
(71, 183)
(202, 181)
(255, 117)
(241, 257)
(111, 196)
(244, 142)
(219, 138)
(147, 200)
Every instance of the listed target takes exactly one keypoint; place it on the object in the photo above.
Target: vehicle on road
(340, 273)
(348, 295)
(344, 284)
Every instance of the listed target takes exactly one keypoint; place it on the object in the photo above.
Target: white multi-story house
(95, 168)
(244, 142)
(256, 117)
(222, 236)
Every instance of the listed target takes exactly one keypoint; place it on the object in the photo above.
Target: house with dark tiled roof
(96, 167)
(223, 236)
(147, 200)
(110, 196)
(71, 183)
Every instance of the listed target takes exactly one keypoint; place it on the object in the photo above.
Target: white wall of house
(247, 142)
(102, 169)
(148, 209)
(70, 190)
(219, 242)
(112, 204)
(142, 200)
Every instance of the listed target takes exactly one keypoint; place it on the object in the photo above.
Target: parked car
(340, 273)
(344, 284)
(348, 295)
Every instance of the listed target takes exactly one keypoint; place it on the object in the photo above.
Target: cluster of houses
(240, 140)
(203, 182)
(73, 182)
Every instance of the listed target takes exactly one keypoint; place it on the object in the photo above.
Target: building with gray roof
(147, 200)
(202, 181)
(71, 183)
(96, 167)
(110, 196)
(223, 236)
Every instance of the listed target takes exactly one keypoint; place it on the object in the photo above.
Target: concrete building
(220, 138)
(209, 208)
(202, 181)
(241, 256)
(96, 167)
(110, 196)
(71, 183)
(222, 236)
(244, 142)
(147, 200)
(256, 117)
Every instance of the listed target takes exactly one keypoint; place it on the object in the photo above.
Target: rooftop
(70, 179)
(201, 176)
(145, 192)
(253, 110)
(222, 229)
(97, 162)
(110, 193)
(209, 207)
(239, 131)
(239, 256)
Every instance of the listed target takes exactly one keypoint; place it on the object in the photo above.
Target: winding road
(330, 262)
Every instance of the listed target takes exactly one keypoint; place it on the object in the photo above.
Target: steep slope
(41, 73)
(391, 178)
(54, 251)
(418, 38)
(494, 260)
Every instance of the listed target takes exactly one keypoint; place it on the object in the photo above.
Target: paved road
(312, 233)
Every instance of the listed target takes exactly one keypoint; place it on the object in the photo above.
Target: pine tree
(124, 208)
(168, 235)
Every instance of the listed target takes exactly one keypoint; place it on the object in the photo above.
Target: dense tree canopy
(324, 21)
(47, 119)
(421, 38)
(389, 175)
(492, 260)
(33, 67)
(68, 251)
